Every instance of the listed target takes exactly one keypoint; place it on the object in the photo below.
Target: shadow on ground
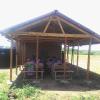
(78, 82)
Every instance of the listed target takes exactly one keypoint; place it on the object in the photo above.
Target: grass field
(28, 92)
(95, 62)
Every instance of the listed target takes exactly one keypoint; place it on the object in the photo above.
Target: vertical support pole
(72, 55)
(20, 53)
(65, 58)
(24, 52)
(11, 59)
(88, 60)
(77, 57)
(61, 52)
(16, 57)
(68, 53)
(37, 55)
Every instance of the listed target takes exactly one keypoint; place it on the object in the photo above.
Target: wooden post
(88, 60)
(37, 55)
(77, 57)
(16, 57)
(11, 59)
(61, 53)
(65, 58)
(24, 52)
(19, 52)
(72, 55)
(68, 53)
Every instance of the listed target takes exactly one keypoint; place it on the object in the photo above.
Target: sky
(13, 12)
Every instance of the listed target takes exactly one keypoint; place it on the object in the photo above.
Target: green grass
(3, 77)
(95, 62)
(3, 86)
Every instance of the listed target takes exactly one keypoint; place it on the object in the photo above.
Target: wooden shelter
(44, 36)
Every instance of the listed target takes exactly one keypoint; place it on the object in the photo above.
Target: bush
(27, 91)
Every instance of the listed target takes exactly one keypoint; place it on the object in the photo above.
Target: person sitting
(29, 66)
(58, 62)
(49, 63)
(40, 64)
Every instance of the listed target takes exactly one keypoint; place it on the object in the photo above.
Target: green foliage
(27, 91)
(3, 86)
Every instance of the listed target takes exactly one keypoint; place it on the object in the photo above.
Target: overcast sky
(85, 12)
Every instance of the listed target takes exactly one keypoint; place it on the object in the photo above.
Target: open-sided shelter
(43, 36)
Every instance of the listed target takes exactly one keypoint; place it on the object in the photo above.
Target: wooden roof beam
(59, 35)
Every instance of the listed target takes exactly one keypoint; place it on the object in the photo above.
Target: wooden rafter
(84, 32)
(47, 25)
(60, 25)
(26, 26)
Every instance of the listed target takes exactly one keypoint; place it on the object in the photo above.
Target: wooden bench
(27, 74)
(59, 72)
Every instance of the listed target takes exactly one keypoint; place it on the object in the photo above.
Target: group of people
(30, 64)
(53, 62)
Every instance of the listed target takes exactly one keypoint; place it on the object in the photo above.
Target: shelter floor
(78, 82)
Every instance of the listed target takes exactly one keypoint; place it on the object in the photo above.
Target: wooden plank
(11, 59)
(50, 35)
(88, 60)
